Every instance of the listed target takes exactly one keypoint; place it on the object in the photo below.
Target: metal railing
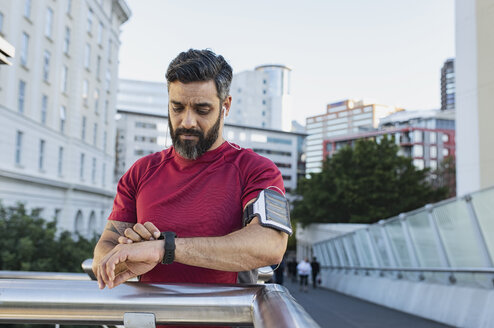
(36, 299)
(455, 236)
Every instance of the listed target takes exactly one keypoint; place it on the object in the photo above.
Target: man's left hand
(138, 258)
(139, 232)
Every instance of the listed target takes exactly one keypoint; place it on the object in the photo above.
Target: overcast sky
(388, 50)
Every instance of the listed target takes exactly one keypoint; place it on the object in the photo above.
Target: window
(432, 137)
(417, 136)
(107, 104)
(49, 22)
(18, 147)
(433, 165)
(89, 20)
(60, 161)
(22, 94)
(46, 65)
(81, 172)
(44, 106)
(66, 41)
(95, 133)
(93, 171)
(108, 80)
(418, 163)
(110, 45)
(62, 118)
(104, 141)
(41, 161)
(100, 32)
(69, 7)
(85, 91)
(445, 137)
(63, 80)
(103, 174)
(433, 152)
(83, 128)
(98, 67)
(418, 151)
(87, 56)
(24, 48)
(27, 8)
(96, 101)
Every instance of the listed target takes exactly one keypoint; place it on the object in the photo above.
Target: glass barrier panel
(483, 203)
(360, 236)
(325, 246)
(423, 239)
(334, 254)
(341, 250)
(456, 229)
(398, 243)
(380, 245)
(350, 246)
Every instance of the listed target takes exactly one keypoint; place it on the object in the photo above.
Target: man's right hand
(140, 232)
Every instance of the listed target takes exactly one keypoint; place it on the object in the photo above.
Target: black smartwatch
(169, 237)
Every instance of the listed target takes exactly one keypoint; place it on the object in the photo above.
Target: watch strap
(169, 237)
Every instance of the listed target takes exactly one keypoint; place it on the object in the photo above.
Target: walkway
(334, 310)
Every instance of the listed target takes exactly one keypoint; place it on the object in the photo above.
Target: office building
(474, 69)
(262, 98)
(428, 137)
(344, 117)
(57, 103)
(448, 85)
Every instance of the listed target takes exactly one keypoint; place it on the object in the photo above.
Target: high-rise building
(344, 117)
(57, 103)
(428, 137)
(262, 98)
(448, 85)
(474, 67)
(142, 129)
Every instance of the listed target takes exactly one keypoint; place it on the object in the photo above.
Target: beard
(192, 149)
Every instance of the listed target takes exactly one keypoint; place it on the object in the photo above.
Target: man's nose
(189, 121)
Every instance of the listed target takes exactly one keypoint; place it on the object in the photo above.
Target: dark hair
(201, 65)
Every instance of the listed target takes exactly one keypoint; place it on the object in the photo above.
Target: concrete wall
(458, 306)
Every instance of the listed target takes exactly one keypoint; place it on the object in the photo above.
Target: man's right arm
(108, 240)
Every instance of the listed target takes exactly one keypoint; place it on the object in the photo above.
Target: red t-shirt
(193, 198)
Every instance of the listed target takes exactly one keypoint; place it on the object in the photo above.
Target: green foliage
(364, 184)
(29, 243)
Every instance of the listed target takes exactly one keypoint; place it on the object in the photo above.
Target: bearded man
(186, 214)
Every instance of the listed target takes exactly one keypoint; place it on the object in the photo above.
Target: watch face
(277, 209)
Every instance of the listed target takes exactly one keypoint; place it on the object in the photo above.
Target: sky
(386, 50)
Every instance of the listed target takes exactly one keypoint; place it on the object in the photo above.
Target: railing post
(477, 229)
(408, 240)
(443, 255)
(372, 248)
(387, 243)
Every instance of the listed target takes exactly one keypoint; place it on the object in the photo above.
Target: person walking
(304, 269)
(316, 268)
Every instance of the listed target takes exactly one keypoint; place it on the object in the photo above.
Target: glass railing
(448, 242)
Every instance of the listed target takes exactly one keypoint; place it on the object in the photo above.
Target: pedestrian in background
(304, 269)
(316, 268)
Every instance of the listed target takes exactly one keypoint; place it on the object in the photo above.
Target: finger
(123, 277)
(142, 231)
(131, 234)
(152, 229)
(101, 284)
(124, 240)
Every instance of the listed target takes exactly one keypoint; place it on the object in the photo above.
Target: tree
(445, 176)
(364, 184)
(29, 243)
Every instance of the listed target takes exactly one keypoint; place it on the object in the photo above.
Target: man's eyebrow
(203, 104)
(175, 102)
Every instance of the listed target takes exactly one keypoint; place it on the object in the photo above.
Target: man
(315, 271)
(198, 189)
(304, 270)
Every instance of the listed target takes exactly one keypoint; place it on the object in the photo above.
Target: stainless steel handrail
(411, 269)
(81, 302)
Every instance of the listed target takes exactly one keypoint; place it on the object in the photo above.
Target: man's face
(195, 117)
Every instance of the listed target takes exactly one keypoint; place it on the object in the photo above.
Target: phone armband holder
(272, 209)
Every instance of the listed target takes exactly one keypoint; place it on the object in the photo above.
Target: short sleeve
(261, 174)
(124, 205)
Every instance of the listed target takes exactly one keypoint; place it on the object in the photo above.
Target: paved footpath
(334, 310)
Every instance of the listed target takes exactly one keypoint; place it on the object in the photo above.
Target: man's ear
(227, 103)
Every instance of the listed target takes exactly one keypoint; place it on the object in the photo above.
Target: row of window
(61, 151)
(145, 139)
(95, 133)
